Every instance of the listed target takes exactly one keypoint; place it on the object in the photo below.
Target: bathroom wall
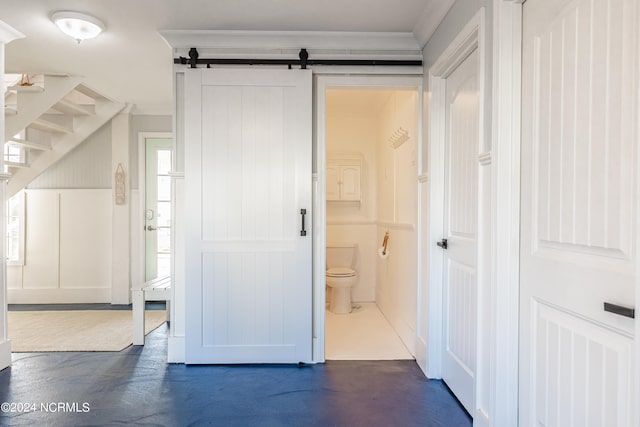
(356, 133)
(396, 212)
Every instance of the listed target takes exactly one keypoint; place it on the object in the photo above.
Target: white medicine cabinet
(343, 178)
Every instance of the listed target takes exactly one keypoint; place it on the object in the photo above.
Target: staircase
(46, 120)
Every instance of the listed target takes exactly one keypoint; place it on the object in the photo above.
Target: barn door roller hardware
(303, 60)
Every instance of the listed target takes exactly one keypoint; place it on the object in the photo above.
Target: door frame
(471, 38)
(323, 82)
(138, 232)
(505, 211)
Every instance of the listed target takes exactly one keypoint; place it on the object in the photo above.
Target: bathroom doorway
(370, 161)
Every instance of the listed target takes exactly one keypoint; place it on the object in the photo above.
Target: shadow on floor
(137, 387)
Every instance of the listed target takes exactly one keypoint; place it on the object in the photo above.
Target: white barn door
(248, 178)
(460, 230)
(578, 229)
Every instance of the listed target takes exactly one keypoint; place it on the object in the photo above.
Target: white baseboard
(5, 354)
(406, 333)
(175, 350)
(318, 351)
(59, 296)
(421, 354)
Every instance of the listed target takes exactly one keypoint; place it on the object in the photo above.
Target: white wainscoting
(422, 319)
(67, 248)
(396, 290)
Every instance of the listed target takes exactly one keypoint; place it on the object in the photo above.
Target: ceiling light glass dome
(78, 25)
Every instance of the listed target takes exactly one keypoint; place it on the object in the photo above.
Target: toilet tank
(341, 255)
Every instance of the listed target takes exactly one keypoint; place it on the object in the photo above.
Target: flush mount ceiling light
(78, 25)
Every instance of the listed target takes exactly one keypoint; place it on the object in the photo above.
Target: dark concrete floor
(136, 387)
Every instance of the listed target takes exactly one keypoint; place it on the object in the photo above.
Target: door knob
(442, 244)
(151, 228)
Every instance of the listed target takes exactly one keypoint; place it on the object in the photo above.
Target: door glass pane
(164, 188)
(164, 240)
(164, 214)
(164, 265)
(164, 162)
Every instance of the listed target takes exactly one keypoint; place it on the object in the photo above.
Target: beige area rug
(76, 330)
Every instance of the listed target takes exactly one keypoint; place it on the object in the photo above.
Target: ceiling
(130, 62)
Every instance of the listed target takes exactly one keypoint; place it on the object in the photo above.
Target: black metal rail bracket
(303, 61)
(304, 57)
(193, 57)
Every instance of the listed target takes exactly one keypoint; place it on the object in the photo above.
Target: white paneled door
(461, 212)
(248, 211)
(578, 232)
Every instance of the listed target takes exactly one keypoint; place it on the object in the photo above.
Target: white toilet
(341, 275)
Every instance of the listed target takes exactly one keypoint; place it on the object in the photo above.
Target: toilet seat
(340, 272)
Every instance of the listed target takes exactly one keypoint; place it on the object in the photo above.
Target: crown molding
(433, 14)
(292, 40)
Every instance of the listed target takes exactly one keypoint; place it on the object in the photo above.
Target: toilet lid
(340, 272)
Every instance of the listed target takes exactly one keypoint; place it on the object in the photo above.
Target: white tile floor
(364, 334)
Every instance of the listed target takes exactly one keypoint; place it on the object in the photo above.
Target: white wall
(86, 166)
(176, 340)
(66, 208)
(356, 134)
(67, 248)
(460, 14)
(397, 191)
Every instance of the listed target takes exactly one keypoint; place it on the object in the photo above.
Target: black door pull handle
(303, 212)
(620, 309)
(442, 244)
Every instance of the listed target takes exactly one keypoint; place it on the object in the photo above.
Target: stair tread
(16, 164)
(46, 125)
(29, 144)
(88, 92)
(69, 107)
(18, 88)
